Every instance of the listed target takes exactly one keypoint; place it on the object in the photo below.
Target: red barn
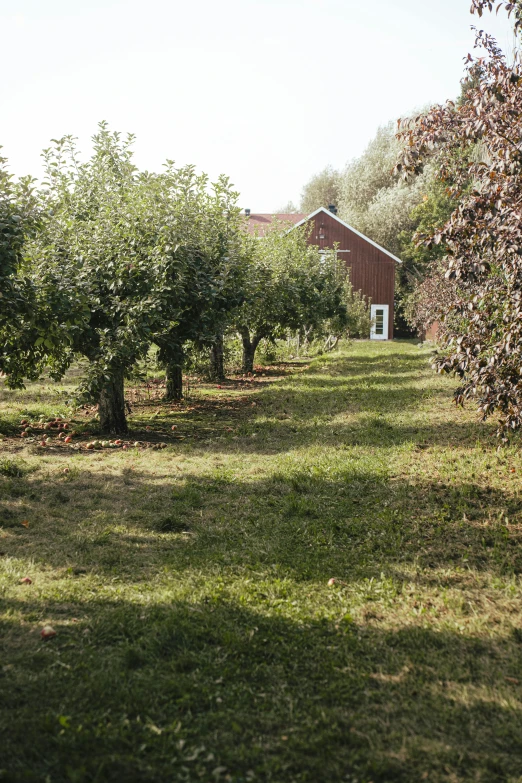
(372, 268)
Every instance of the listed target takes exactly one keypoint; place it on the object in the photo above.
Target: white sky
(266, 91)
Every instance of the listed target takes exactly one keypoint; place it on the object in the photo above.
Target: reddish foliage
(480, 141)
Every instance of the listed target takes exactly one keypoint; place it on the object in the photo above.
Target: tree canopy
(290, 285)
(104, 261)
(481, 326)
(322, 190)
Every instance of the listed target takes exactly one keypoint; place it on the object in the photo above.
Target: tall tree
(481, 330)
(103, 248)
(373, 199)
(322, 190)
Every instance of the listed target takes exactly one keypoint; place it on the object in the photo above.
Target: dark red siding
(371, 270)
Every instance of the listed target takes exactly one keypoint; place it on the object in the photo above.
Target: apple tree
(203, 222)
(30, 317)
(290, 285)
(101, 247)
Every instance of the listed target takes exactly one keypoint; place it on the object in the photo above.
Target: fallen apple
(23, 434)
(43, 443)
(90, 446)
(174, 427)
(66, 470)
(331, 582)
(26, 581)
(148, 429)
(68, 439)
(24, 422)
(47, 632)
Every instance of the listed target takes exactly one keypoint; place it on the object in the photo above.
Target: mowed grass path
(197, 636)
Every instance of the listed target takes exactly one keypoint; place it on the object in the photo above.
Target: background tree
(287, 209)
(373, 199)
(321, 190)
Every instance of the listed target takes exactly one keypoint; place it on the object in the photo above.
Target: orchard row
(104, 261)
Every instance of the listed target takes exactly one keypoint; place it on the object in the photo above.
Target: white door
(379, 315)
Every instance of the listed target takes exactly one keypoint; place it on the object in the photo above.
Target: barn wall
(371, 270)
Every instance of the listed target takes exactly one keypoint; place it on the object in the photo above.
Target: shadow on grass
(238, 685)
(377, 392)
(191, 691)
(356, 522)
(309, 410)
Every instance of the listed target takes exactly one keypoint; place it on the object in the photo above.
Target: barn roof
(351, 228)
(260, 223)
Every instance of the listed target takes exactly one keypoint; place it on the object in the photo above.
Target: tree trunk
(111, 407)
(174, 385)
(249, 351)
(330, 343)
(217, 363)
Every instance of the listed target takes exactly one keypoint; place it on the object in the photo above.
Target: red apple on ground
(68, 439)
(26, 581)
(47, 632)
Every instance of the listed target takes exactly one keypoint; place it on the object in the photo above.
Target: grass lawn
(197, 637)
